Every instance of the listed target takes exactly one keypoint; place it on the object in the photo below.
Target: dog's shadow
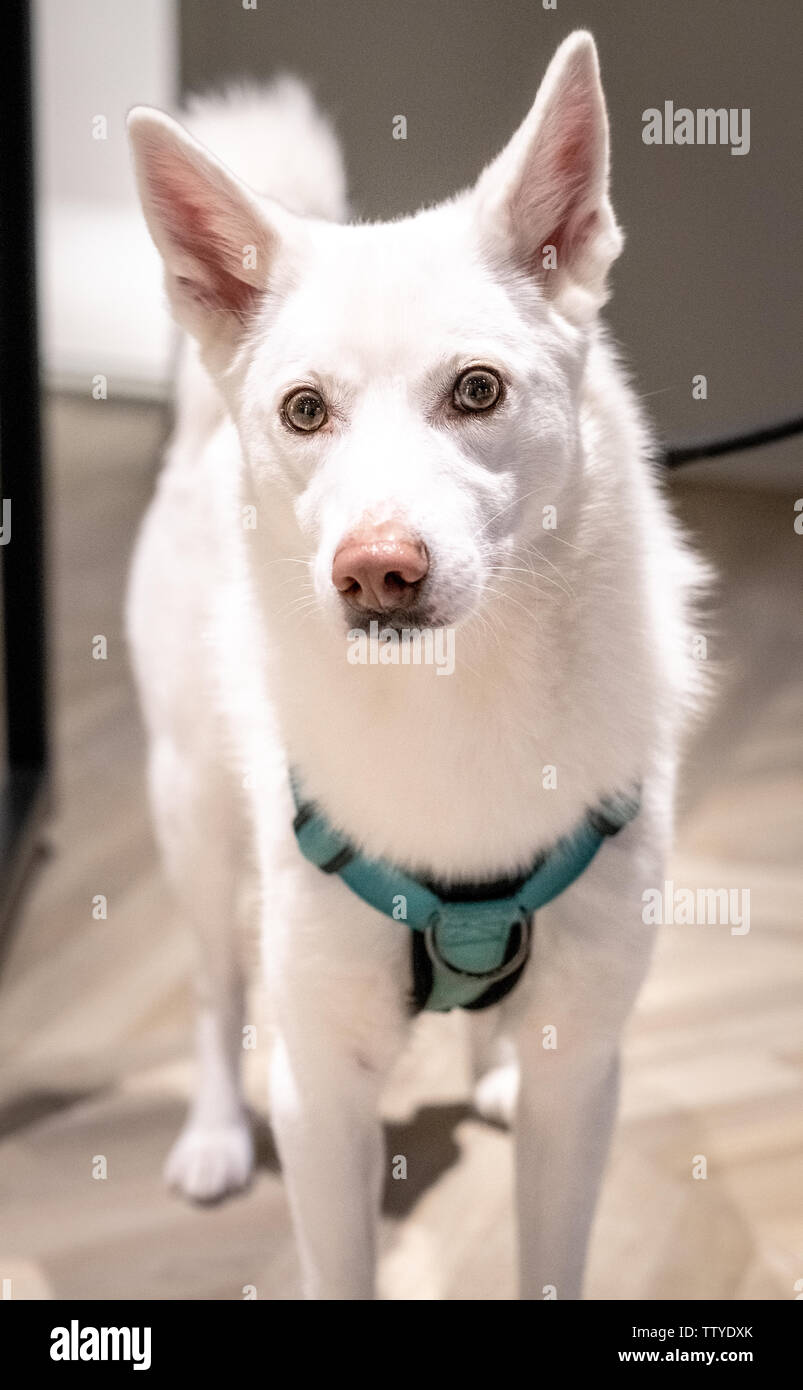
(418, 1151)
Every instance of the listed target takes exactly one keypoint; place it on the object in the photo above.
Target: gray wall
(711, 278)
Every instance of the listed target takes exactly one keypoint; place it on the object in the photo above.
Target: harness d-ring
(524, 924)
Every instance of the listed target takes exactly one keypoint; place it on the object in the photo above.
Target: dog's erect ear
(549, 186)
(214, 237)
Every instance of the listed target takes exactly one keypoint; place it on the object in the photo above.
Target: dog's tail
(277, 140)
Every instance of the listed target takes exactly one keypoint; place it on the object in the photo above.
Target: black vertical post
(22, 557)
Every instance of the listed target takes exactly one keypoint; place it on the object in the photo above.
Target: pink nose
(378, 567)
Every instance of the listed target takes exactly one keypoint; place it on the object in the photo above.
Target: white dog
(419, 424)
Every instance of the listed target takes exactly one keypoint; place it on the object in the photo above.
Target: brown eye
(477, 389)
(304, 410)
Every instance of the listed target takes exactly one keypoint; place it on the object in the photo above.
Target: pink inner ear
(558, 183)
(199, 225)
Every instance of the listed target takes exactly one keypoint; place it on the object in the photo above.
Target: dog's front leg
(325, 1116)
(563, 1124)
(591, 950)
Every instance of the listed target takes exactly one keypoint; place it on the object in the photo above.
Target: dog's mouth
(421, 618)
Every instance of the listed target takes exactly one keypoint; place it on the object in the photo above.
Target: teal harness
(470, 943)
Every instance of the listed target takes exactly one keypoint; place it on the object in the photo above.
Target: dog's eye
(304, 410)
(477, 389)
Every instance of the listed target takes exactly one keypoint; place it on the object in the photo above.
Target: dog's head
(406, 394)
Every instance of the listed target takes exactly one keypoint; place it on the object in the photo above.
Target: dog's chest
(448, 787)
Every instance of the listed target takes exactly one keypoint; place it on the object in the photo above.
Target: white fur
(572, 646)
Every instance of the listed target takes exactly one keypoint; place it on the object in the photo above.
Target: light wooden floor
(95, 1015)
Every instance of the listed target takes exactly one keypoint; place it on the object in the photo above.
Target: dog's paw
(496, 1093)
(205, 1164)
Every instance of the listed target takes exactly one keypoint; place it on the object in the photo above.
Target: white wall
(101, 304)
